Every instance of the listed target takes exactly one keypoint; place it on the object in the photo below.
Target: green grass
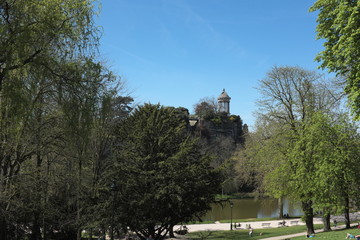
(244, 234)
(338, 234)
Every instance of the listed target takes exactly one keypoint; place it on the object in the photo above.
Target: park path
(254, 225)
(272, 224)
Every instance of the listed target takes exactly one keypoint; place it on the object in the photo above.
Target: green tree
(221, 149)
(262, 163)
(113, 110)
(206, 108)
(338, 24)
(160, 175)
(29, 37)
(291, 95)
(61, 151)
(53, 93)
(330, 149)
(57, 106)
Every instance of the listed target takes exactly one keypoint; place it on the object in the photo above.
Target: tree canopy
(338, 24)
(162, 178)
(57, 104)
(326, 155)
(291, 97)
(44, 33)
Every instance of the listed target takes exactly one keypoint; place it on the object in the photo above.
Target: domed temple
(224, 102)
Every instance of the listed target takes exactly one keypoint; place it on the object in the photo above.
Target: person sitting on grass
(310, 235)
(348, 236)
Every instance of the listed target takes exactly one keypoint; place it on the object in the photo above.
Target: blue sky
(175, 52)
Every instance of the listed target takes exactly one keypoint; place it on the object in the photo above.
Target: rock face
(220, 127)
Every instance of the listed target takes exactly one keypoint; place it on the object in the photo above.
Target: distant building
(221, 124)
(224, 102)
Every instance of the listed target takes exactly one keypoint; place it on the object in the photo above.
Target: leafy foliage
(162, 178)
(338, 24)
(55, 114)
(287, 159)
(324, 154)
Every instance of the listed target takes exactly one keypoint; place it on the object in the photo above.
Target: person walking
(250, 232)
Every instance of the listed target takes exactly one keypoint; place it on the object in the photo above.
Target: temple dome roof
(224, 96)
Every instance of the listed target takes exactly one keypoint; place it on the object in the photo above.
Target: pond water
(251, 208)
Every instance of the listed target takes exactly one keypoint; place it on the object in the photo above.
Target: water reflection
(250, 208)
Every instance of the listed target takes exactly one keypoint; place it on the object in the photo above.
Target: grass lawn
(333, 235)
(244, 234)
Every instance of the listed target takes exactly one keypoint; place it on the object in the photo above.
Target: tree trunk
(326, 222)
(308, 215)
(3, 230)
(171, 231)
(90, 234)
(103, 233)
(346, 212)
(78, 192)
(281, 207)
(36, 228)
(111, 231)
(36, 233)
(78, 234)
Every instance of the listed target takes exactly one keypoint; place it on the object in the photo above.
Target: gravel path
(255, 225)
(260, 225)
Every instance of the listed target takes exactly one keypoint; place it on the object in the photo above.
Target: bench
(282, 224)
(265, 224)
(294, 222)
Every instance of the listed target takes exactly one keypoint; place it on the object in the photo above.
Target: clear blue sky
(175, 52)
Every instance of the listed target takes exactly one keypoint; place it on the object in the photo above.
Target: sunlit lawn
(333, 235)
(272, 232)
(244, 234)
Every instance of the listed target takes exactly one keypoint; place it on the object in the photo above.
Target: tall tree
(51, 92)
(332, 148)
(160, 175)
(262, 163)
(291, 95)
(338, 24)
